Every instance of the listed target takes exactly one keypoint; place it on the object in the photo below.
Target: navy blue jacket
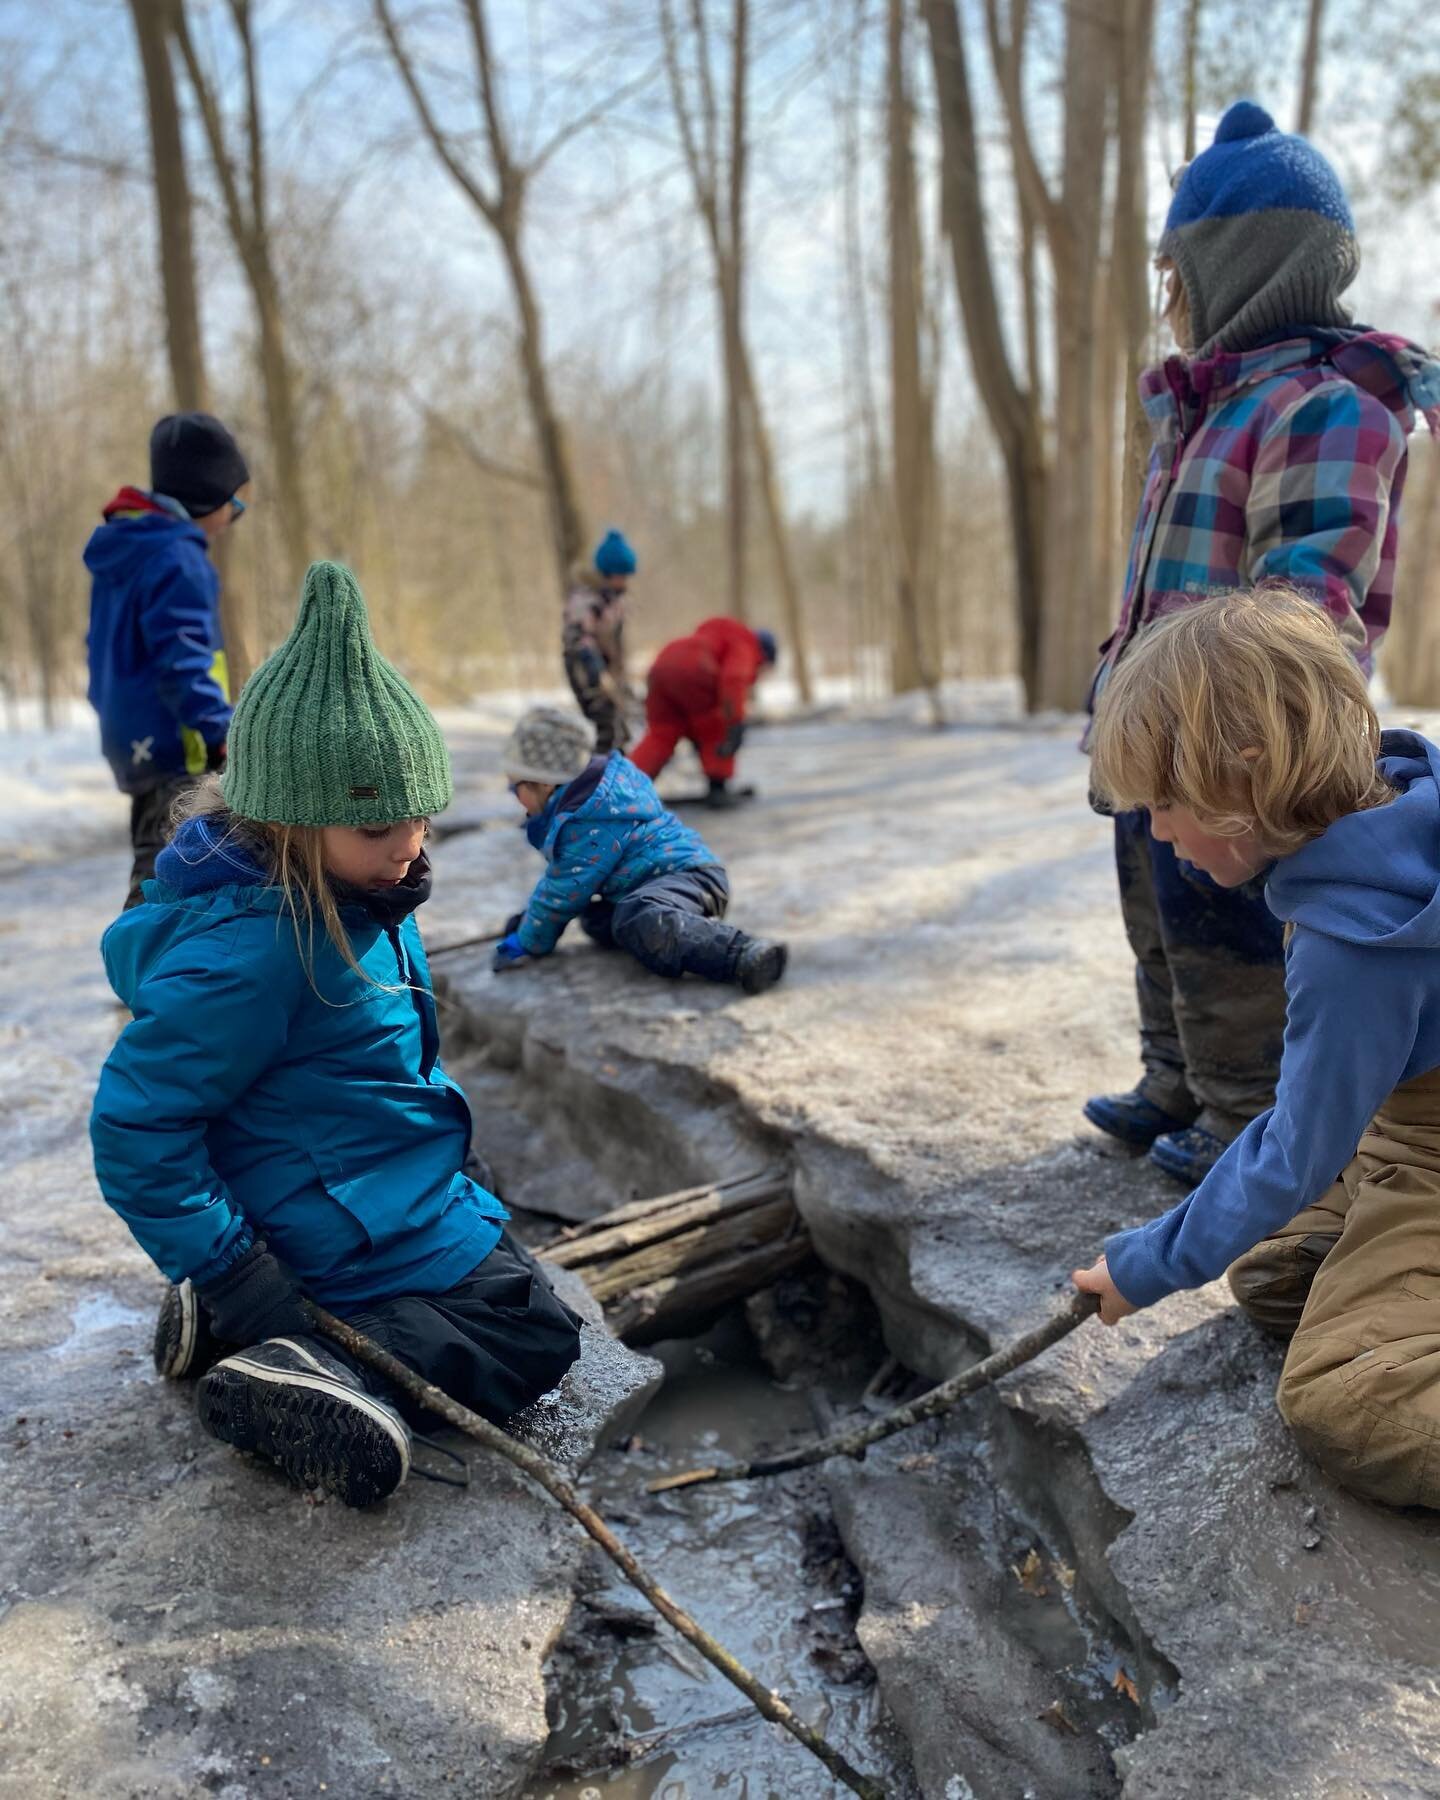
(157, 658)
(240, 1103)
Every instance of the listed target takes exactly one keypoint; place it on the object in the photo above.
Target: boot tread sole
(320, 1432)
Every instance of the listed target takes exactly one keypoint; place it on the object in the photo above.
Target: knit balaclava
(1261, 234)
(326, 732)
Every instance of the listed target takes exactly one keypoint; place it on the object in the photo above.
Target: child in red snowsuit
(698, 689)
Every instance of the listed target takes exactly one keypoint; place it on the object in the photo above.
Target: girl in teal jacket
(274, 1122)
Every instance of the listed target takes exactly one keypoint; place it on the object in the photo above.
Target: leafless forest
(833, 305)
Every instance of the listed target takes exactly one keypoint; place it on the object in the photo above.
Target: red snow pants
(683, 701)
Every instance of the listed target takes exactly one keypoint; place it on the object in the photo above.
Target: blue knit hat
(613, 555)
(769, 649)
(1261, 234)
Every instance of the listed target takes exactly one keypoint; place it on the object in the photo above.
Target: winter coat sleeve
(1350, 1028)
(178, 621)
(582, 856)
(208, 1022)
(1319, 501)
(739, 662)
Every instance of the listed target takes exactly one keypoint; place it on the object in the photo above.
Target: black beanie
(194, 460)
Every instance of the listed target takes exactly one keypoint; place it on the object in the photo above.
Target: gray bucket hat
(547, 745)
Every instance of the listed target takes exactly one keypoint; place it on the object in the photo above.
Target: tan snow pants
(1354, 1283)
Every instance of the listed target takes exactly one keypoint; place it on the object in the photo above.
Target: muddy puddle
(636, 1713)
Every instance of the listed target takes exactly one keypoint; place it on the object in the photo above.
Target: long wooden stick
(928, 1406)
(541, 1470)
(465, 943)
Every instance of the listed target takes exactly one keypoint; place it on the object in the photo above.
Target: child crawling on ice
(1244, 728)
(630, 871)
(274, 1122)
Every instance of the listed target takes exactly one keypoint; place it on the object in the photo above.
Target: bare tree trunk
(247, 216)
(1410, 656)
(795, 635)
(501, 205)
(1073, 563)
(567, 529)
(1310, 68)
(153, 23)
(1130, 263)
(732, 308)
(1191, 85)
(720, 200)
(913, 659)
(1011, 408)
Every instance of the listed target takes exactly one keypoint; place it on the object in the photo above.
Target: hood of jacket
(136, 523)
(1373, 877)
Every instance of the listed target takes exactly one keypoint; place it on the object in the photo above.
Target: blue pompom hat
(614, 556)
(769, 649)
(1261, 233)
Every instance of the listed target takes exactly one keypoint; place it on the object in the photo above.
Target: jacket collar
(1392, 369)
(387, 907)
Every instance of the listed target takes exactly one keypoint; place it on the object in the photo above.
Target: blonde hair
(1248, 710)
(293, 857)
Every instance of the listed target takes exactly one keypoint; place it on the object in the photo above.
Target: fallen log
(666, 1266)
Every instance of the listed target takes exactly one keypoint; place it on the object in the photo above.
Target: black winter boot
(291, 1400)
(184, 1345)
(760, 965)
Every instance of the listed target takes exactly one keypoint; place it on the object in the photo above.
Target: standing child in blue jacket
(1244, 729)
(275, 1122)
(619, 862)
(157, 658)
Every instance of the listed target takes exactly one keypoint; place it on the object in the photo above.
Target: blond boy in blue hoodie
(1245, 730)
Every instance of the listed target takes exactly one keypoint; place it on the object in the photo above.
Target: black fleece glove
(257, 1297)
(731, 741)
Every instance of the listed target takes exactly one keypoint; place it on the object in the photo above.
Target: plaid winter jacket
(1282, 463)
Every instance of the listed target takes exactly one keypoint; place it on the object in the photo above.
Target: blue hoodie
(1362, 984)
(240, 1103)
(605, 833)
(157, 659)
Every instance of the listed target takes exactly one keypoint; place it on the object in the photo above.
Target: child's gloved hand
(257, 1297)
(1096, 1280)
(509, 954)
(732, 740)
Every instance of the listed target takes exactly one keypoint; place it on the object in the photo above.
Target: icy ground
(173, 1621)
(959, 983)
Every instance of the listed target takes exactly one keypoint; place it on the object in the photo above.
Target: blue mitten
(509, 954)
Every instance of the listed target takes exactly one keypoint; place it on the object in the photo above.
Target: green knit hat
(326, 732)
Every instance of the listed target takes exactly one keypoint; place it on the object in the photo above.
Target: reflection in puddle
(761, 1568)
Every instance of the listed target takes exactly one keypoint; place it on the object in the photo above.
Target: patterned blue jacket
(604, 834)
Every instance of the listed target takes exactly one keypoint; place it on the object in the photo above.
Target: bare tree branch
(439, 140)
(1006, 53)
